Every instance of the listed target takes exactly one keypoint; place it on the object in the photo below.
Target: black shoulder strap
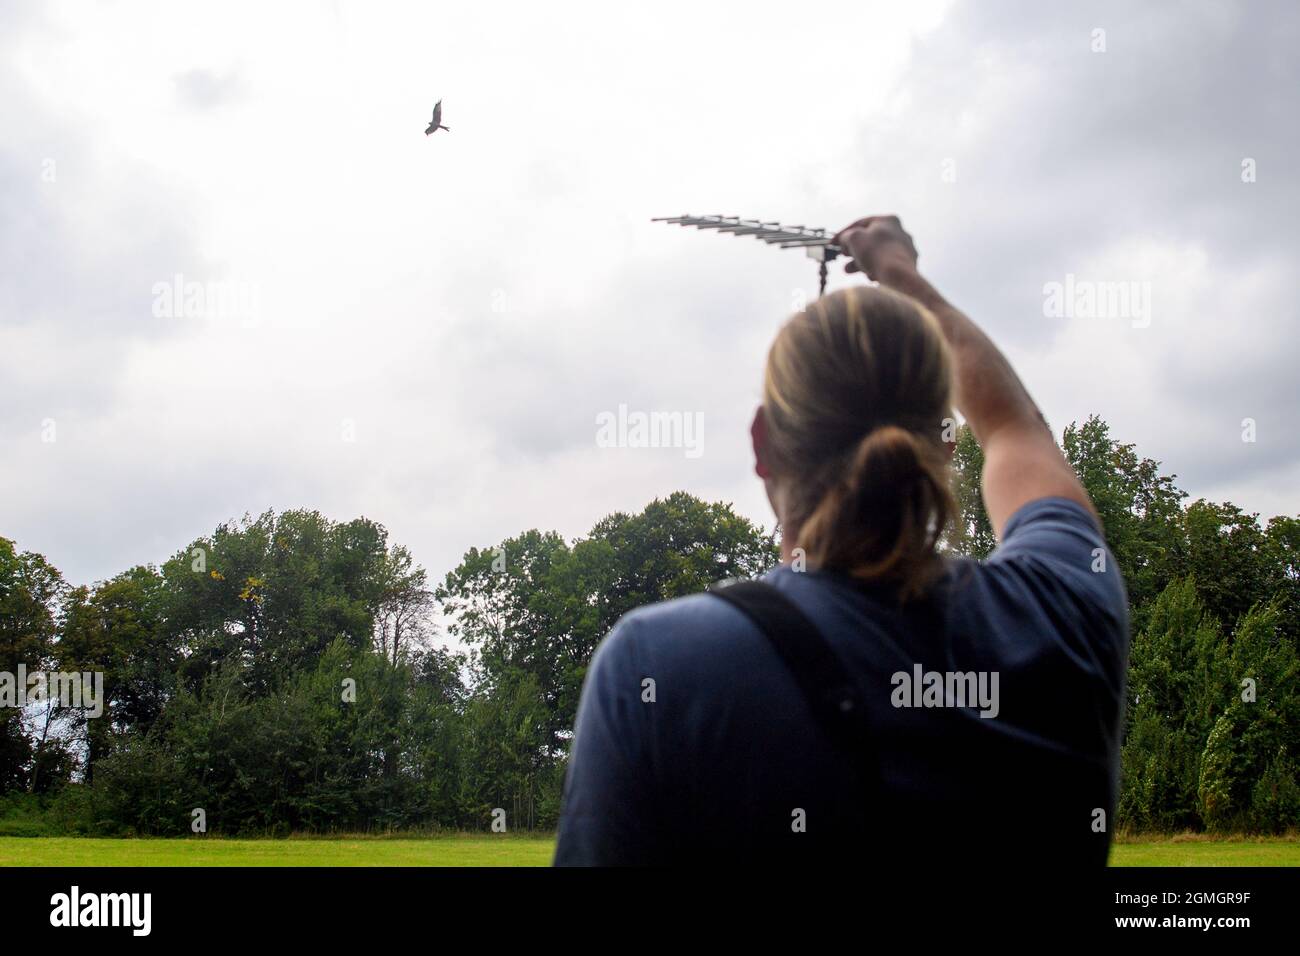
(832, 694)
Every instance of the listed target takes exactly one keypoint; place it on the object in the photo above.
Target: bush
(1275, 801)
(23, 815)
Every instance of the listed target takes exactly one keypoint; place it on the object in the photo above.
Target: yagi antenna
(815, 242)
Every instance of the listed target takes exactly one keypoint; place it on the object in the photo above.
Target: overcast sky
(464, 306)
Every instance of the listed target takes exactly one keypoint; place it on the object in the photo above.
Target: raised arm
(1021, 460)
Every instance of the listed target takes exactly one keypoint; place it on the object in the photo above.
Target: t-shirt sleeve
(606, 817)
(1055, 548)
(1057, 530)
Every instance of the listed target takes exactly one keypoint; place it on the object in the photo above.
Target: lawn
(485, 850)
(1200, 851)
(453, 850)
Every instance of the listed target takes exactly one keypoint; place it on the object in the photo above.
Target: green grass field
(483, 850)
(453, 850)
(1200, 851)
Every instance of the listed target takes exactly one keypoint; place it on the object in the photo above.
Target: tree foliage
(284, 673)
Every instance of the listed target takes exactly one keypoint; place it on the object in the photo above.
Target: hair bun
(886, 461)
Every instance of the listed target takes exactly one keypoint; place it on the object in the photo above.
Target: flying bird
(437, 120)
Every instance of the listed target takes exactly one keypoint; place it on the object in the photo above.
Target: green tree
(1140, 508)
(1254, 747)
(676, 546)
(508, 761)
(535, 606)
(522, 608)
(30, 591)
(274, 593)
(402, 619)
(1282, 542)
(1177, 686)
(1228, 554)
(972, 534)
(117, 630)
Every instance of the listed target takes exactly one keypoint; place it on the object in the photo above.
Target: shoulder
(1051, 582)
(705, 643)
(1061, 515)
(687, 632)
(1058, 541)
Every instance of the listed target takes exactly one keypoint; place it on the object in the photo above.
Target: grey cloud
(202, 89)
(529, 291)
(1061, 152)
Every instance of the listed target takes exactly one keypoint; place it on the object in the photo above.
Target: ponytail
(882, 517)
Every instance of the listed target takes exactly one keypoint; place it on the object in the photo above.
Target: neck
(789, 541)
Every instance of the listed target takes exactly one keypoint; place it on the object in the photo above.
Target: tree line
(287, 673)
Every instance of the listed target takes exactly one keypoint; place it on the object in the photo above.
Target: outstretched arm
(1021, 460)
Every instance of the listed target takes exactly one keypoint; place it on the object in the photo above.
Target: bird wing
(437, 113)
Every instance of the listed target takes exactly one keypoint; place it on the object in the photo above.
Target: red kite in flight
(437, 120)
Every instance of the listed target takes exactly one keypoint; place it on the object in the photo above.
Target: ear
(758, 433)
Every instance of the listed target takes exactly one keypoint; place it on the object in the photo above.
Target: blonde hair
(855, 397)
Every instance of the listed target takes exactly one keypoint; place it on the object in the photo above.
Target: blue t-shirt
(693, 742)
